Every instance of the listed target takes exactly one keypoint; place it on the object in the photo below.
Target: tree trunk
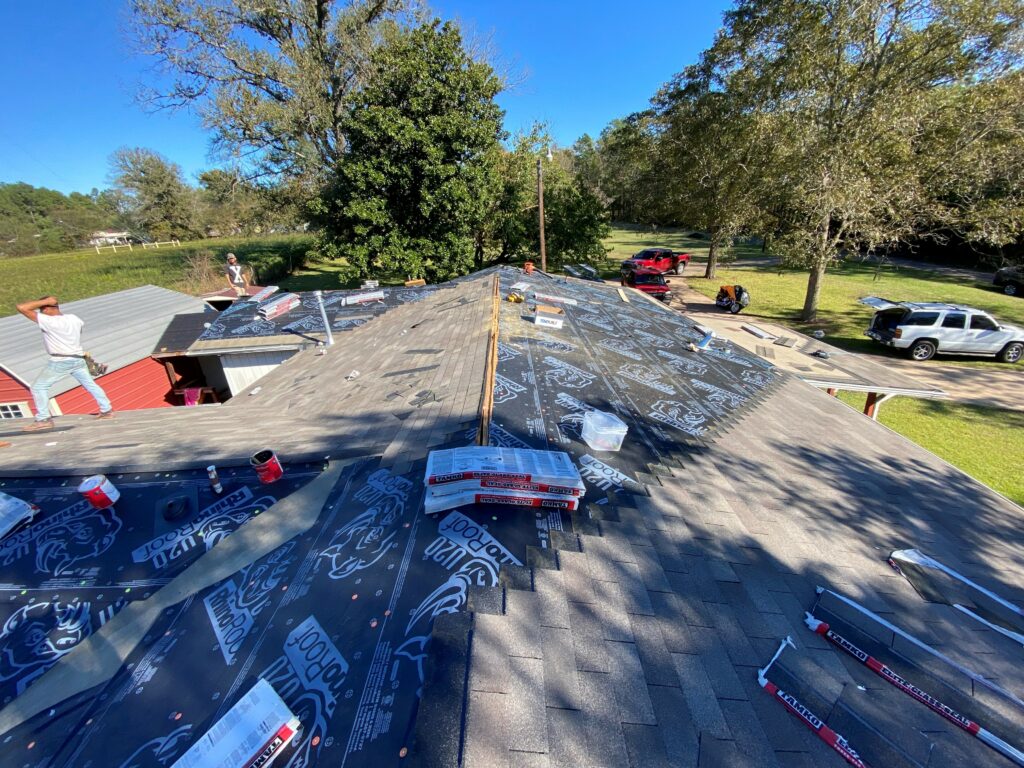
(821, 258)
(709, 273)
(478, 255)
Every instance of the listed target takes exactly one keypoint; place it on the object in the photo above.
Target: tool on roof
(977, 678)
(987, 737)
(515, 297)
(812, 721)
(705, 342)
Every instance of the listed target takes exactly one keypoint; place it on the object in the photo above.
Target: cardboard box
(549, 317)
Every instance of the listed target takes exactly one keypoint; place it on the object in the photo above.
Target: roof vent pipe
(323, 316)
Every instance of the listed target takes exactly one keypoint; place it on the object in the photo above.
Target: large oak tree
(851, 88)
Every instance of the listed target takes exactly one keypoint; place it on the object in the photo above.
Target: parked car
(661, 260)
(1010, 279)
(922, 329)
(649, 281)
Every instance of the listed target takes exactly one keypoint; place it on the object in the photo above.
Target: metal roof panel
(120, 328)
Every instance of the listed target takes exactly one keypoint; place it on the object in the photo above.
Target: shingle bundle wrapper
(512, 476)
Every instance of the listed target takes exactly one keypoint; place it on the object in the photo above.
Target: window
(954, 320)
(921, 318)
(14, 411)
(650, 280)
(983, 323)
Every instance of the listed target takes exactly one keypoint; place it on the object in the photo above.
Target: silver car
(926, 328)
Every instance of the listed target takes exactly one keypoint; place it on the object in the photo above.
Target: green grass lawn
(81, 274)
(778, 294)
(986, 443)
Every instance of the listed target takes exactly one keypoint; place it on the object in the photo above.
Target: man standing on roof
(234, 272)
(62, 338)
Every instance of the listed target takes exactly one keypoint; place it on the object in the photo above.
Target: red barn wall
(139, 385)
(13, 391)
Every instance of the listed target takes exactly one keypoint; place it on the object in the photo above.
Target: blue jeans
(56, 370)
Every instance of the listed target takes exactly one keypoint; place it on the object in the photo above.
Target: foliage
(268, 77)
(715, 157)
(157, 202)
(71, 276)
(852, 92)
(38, 220)
(628, 169)
(415, 179)
(574, 214)
(575, 222)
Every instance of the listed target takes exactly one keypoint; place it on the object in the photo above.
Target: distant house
(121, 330)
(110, 238)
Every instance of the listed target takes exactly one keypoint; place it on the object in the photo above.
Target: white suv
(926, 328)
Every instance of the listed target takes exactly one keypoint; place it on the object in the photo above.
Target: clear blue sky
(69, 76)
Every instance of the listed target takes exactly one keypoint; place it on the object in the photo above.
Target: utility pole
(540, 213)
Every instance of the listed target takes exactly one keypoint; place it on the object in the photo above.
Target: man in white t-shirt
(62, 338)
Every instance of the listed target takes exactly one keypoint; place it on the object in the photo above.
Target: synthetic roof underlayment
(630, 632)
(241, 328)
(120, 328)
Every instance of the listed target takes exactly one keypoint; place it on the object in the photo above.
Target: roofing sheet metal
(120, 328)
(240, 327)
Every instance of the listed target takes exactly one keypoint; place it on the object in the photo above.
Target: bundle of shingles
(511, 476)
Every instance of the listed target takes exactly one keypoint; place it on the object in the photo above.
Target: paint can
(268, 467)
(99, 491)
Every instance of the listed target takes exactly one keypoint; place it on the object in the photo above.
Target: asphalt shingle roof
(627, 633)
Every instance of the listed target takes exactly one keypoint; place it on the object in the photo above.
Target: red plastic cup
(99, 491)
(268, 467)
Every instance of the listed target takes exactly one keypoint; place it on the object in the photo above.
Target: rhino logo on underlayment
(36, 636)
(66, 542)
(161, 751)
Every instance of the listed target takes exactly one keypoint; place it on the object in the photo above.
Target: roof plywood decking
(629, 633)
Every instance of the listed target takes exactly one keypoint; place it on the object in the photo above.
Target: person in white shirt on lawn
(62, 338)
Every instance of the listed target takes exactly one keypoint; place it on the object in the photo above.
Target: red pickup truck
(649, 281)
(661, 260)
